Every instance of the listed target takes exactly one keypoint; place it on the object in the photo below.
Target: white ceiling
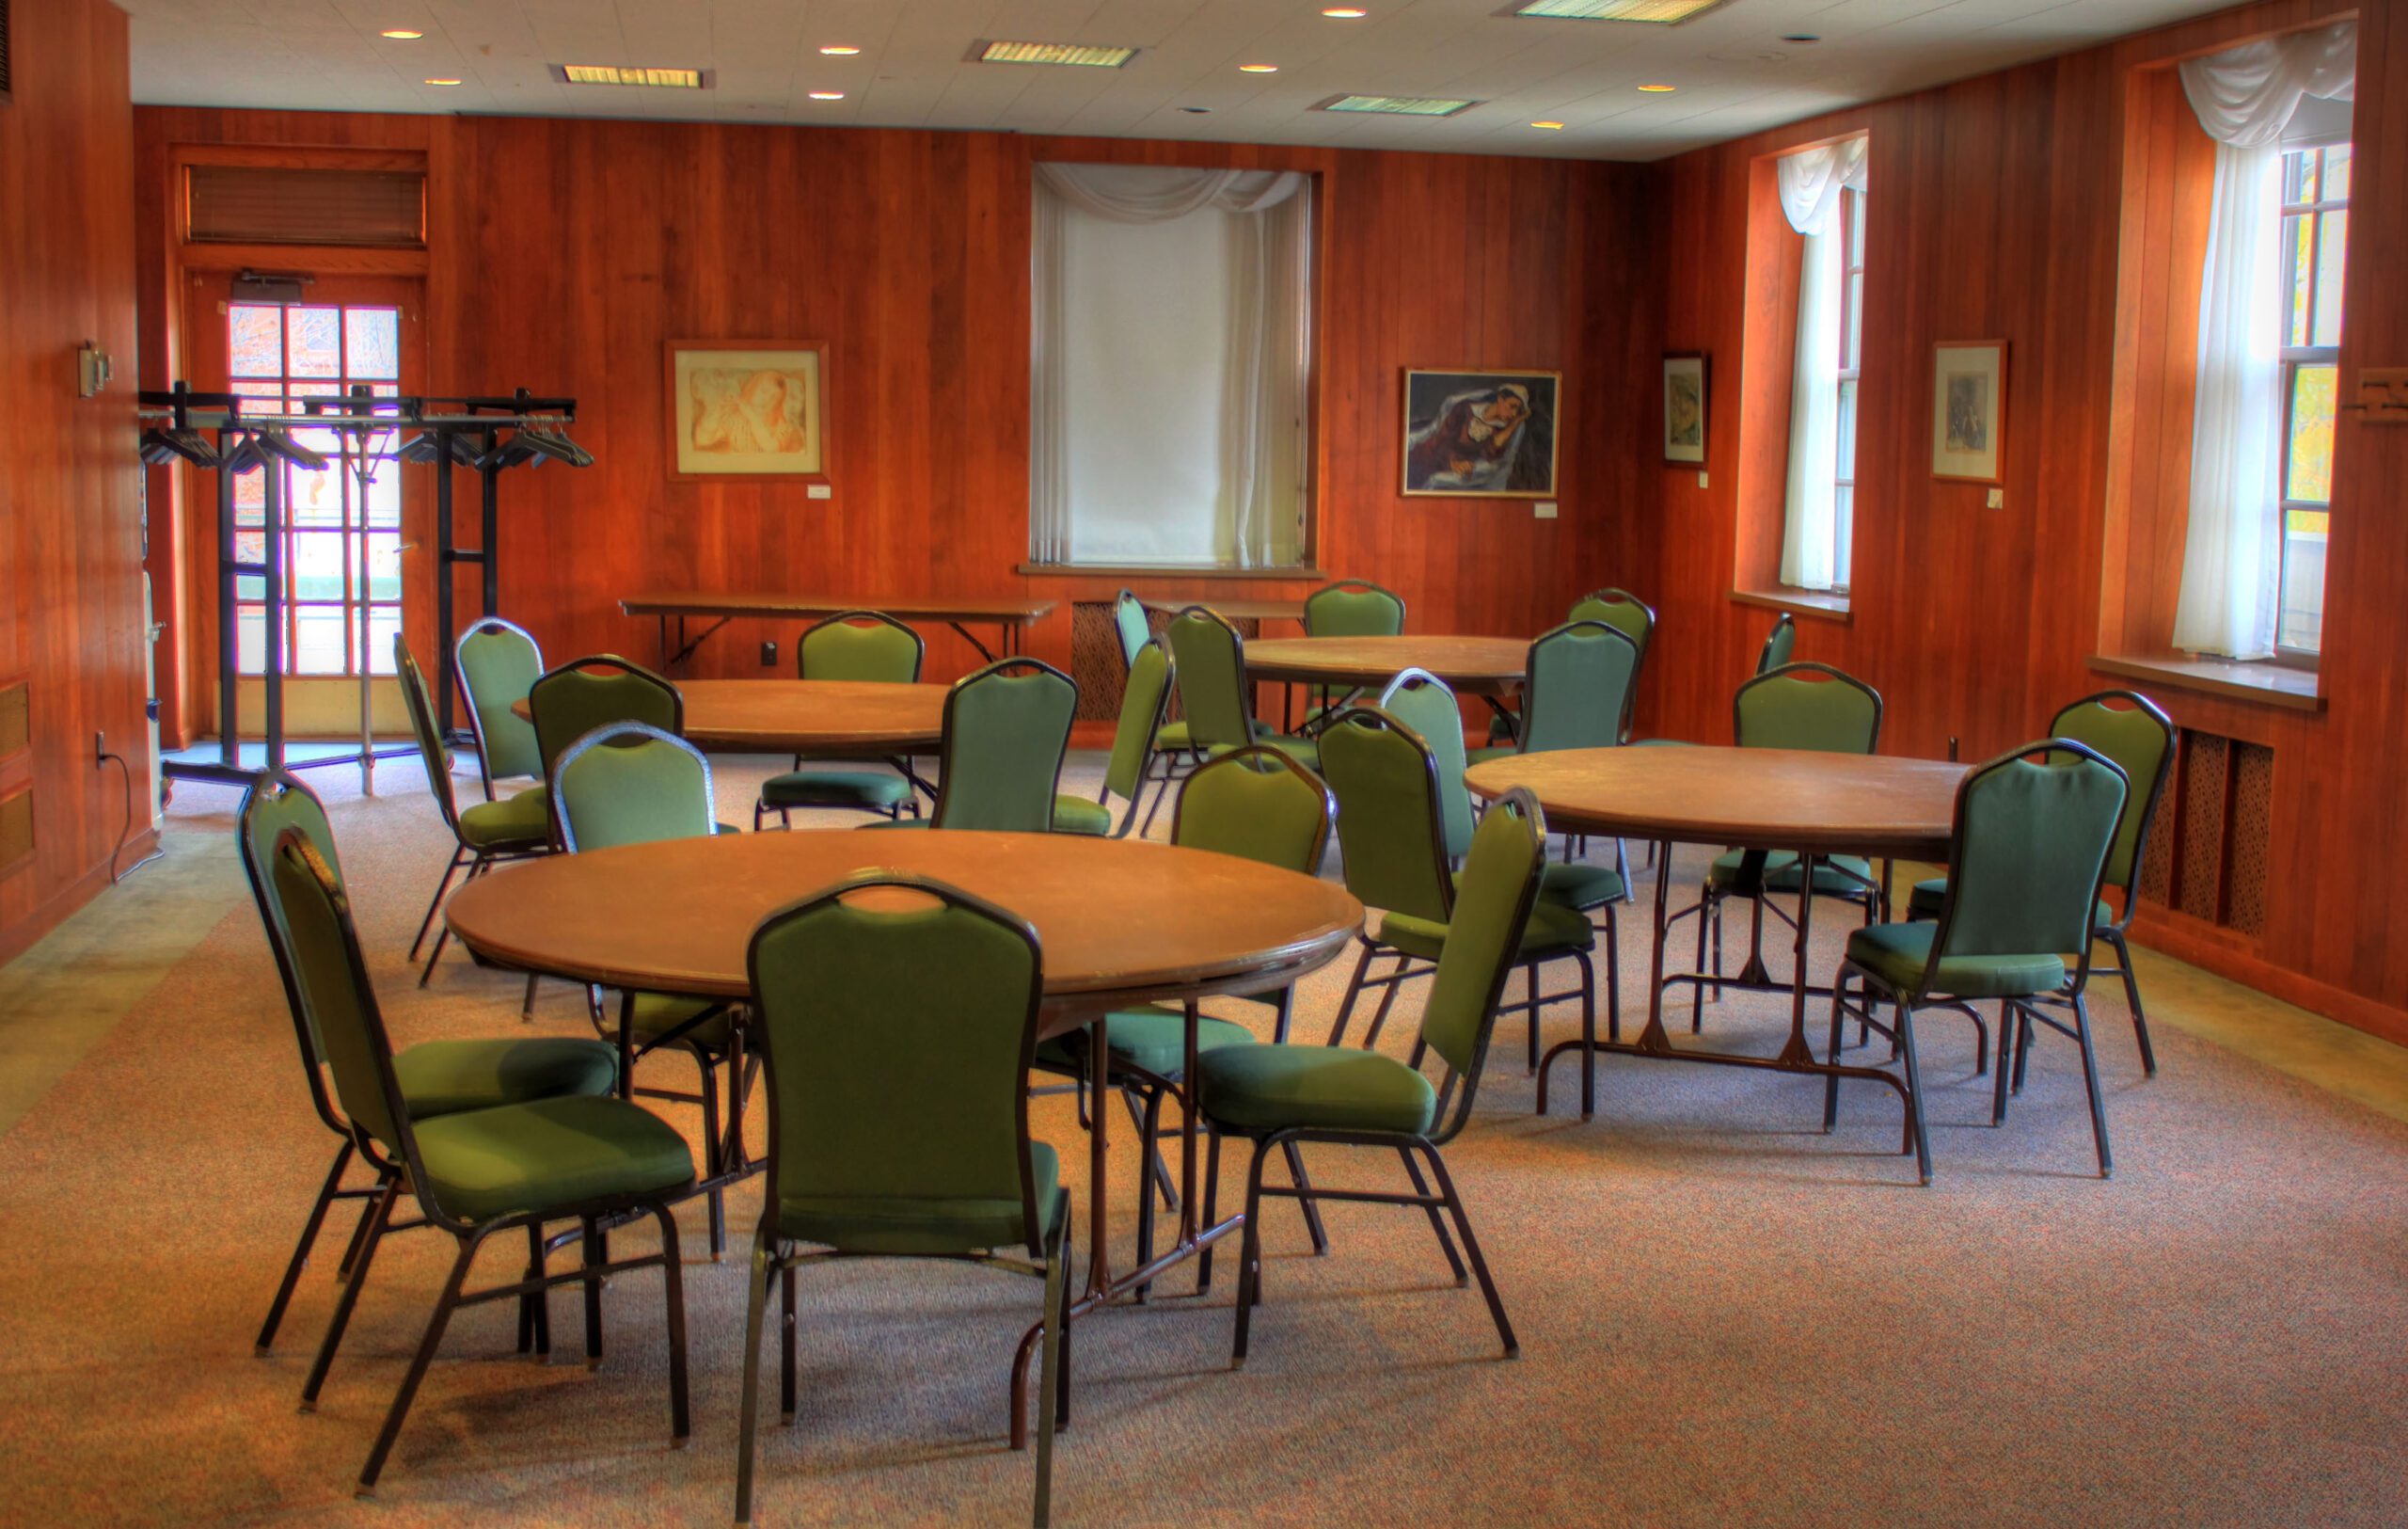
(1733, 73)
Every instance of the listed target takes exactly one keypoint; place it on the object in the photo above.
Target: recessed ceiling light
(402, 34)
(1397, 105)
(1346, 13)
(1659, 89)
(1661, 12)
(1084, 55)
(443, 82)
(647, 75)
(827, 95)
(1258, 69)
(1549, 126)
(839, 50)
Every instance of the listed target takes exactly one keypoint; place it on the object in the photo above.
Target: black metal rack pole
(446, 556)
(274, 608)
(230, 571)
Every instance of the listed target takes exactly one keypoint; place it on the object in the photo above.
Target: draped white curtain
(1168, 353)
(2232, 558)
(1811, 182)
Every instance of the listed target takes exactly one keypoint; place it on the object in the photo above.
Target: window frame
(2292, 358)
(1850, 372)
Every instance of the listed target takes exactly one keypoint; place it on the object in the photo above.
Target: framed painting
(1684, 406)
(1480, 435)
(747, 409)
(1969, 410)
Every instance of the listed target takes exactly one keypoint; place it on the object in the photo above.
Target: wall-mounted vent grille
(16, 831)
(2209, 843)
(248, 204)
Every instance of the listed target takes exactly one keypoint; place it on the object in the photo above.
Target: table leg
(1798, 1053)
(1099, 1162)
(985, 654)
(1653, 1038)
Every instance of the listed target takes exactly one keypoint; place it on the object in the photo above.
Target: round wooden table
(1759, 800)
(1472, 665)
(829, 719)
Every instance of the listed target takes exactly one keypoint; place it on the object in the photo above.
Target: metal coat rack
(233, 435)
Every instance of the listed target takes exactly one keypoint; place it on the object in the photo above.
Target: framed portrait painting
(1684, 406)
(1969, 410)
(1480, 435)
(747, 409)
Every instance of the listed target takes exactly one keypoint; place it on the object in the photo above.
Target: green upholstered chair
(1349, 608)
(1171, 739)
(1257, 804)
(436, 1078)
(1809, 706)
(1630, 615)
(1426, 704)
(2132, 731)
(864, 646)
(1006, 728)
(885, 989)
(495, 662)
(487, 834)
(1780, 644)
(569, 702)
(1293, 1095)
(1143, 699)
(1576, 691)
(2033, 829)
(628, 783)
(1215, 693)
(1130, 624)
(1392, 833)
(479, 1175)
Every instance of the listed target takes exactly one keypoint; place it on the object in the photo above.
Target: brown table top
(1235, 610)
(1120, 920)
(1765, 799)
(1473, 665)
(831, 718)
(950, 607)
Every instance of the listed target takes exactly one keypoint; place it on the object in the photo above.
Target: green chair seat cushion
(1173, 738)
(517, 818)
(1846, 875)
(1576, 885)
(1897, 954)
(902, 823)
(1659, 743)
(905, 1224)
(549, 1154)
(1152, 1039)
(1925, 899)
(1077, 814)
(1303, 750)
(1493, 751)
(443, 1077)
(1255, 1090)
(877, 789)
(658, 1013)
(1553, 927)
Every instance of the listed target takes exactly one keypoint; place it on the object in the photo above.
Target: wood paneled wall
(1998, 210)
(563, 254)
(71, 597)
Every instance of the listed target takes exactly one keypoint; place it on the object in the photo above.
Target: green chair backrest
(626, 783)
(2030, 842)
(1422, 702)
(1006, 728)
(1354, 608)
(1143, 700)
(275, 803)
(1129, 620)
(1577, 688)
(862, 1005)
(332, 983)
(431, 748)
(1807, 705)
(1390, 830)
(859, 645)
(1213, 689)
(583, 693)
(497, 662)
(1779, 643)
(1624, 612)
(1258, 803)
(1500, 883)
(2132, 731)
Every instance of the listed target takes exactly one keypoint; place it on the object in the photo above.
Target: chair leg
(749, 1424)
(1346, 1005)
(1437, 1222)
(2008, 1014)
(378, 1215)
(526, 1004)
(300, 1259)
(419, 1362)
(1830, 1080)
(1209, 1216)
(435, 903)
(672, 1282)
(1613, 975)
(1916, 1129)
(1471, 1250)
(1303, 1181)
(2114, 938)
(713, 1155)
(536, 1306)
(1387, 1001)
(1050, 1370)
(1621, 868)
(787, 1340)
(1249, 1256)
(1529, 993)
(590, 1247)
(1148, 1119)
(2090, 1081)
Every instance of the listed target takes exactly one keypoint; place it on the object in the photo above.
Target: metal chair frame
(761, 807)
(460, 673)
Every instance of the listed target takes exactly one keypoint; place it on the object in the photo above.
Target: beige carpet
(1726, 1317)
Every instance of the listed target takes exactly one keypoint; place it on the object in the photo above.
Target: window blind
(250, 204)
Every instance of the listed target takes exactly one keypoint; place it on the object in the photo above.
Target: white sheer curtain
(1811, 182)
(1167, 351)
(2232, 559)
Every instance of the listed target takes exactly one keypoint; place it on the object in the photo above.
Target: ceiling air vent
(1660, 12)
(1397, 105)
(251, 204)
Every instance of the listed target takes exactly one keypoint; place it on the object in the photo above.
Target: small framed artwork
(1480, 435)
(747, 409)
(1969, 410)
(1684, 406)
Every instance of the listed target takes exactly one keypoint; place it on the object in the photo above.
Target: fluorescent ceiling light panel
(1397, 105)
(638, 74)
(1082, 55)
(1661, 12)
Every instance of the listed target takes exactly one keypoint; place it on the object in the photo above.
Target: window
(1822, 194)
(1851, 347)
(2316, 234)
(342, 531)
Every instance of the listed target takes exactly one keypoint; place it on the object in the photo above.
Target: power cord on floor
(125, 770)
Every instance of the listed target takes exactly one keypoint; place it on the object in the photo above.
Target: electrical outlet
(1544, 510)
(768, 653)
(1996, 500)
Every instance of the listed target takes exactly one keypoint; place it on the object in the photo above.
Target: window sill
(1159, 570)
(2260, 684)
(1803, 602)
